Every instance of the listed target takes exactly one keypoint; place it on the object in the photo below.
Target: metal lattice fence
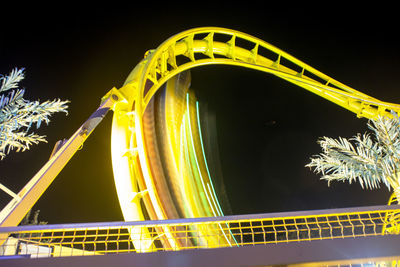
(197, 233)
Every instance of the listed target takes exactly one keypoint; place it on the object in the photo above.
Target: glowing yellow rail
(135, 179)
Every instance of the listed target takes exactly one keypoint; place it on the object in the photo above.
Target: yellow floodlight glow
(126, 185)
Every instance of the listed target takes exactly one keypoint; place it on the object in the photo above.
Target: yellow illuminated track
(159, 164)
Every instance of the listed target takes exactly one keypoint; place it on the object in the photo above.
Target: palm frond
(11, 81)
(343, 161)
(15, 96)
(18, 115)
(370, 161)
(387, 132)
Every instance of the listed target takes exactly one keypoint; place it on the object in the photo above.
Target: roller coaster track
(163, 63)
(158, 155)
(136, 172)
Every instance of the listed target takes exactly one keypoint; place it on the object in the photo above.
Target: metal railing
(197, 233)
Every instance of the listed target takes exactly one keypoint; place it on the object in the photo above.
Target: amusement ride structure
(160, 166)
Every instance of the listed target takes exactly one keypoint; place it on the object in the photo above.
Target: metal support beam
(17, 208)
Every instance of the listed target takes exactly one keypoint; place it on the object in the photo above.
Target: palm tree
(18, 115)
(371, 158)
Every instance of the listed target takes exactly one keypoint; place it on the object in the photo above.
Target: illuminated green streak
(190, 161)
(184, 158)
(212, 190)
(205, 160)
(194, 154)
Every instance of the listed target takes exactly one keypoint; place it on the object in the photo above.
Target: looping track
(134, 174)
(205, 46)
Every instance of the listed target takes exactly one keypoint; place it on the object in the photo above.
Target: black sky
(267, 128)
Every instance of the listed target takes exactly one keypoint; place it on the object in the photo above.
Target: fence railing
(197, 233)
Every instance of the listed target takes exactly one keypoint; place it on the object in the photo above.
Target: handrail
(247, 217)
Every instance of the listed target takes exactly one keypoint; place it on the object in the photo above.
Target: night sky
(267, 129)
